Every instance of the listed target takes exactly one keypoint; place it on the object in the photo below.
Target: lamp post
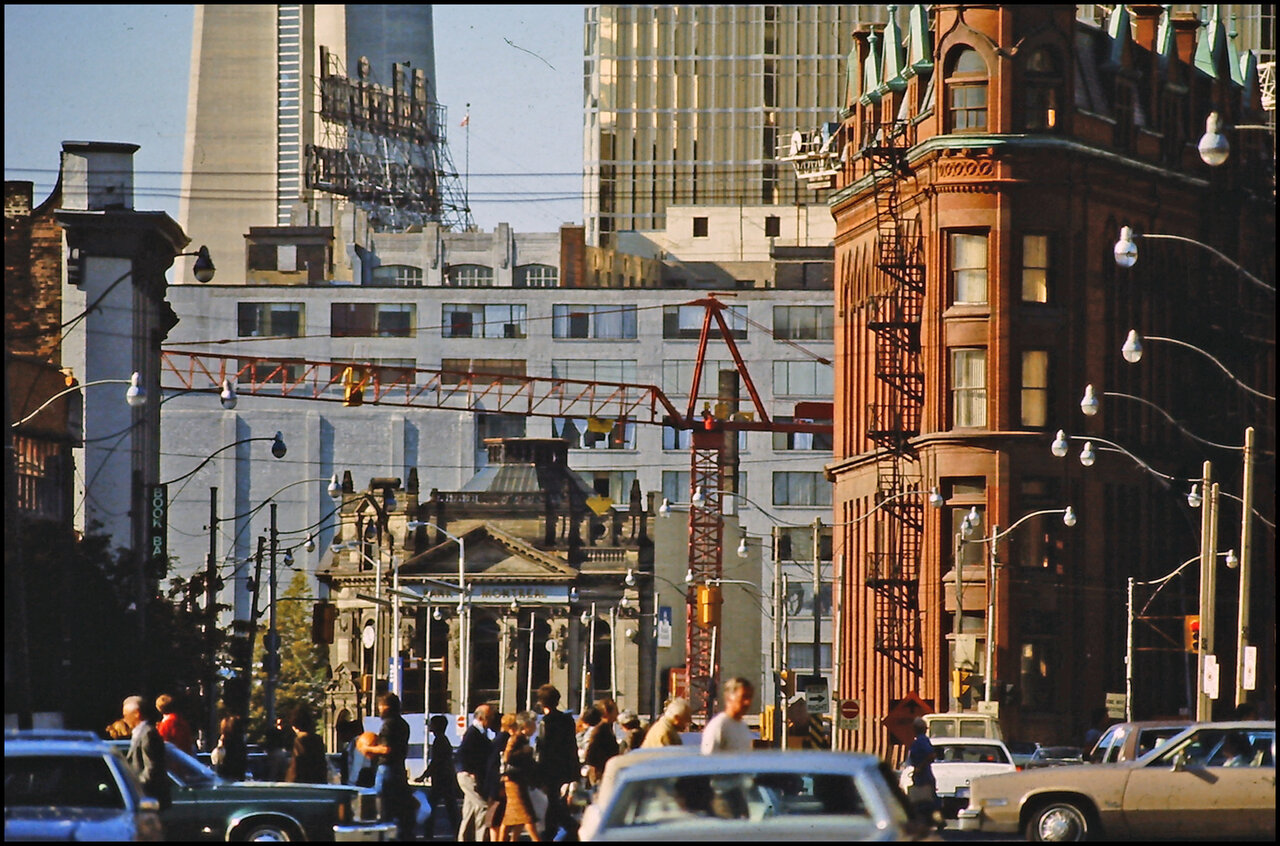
(135, 396)
(1213, 146)
(1068, 519)
(1126, 252)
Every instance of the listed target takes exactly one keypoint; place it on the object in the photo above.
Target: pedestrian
(279, 743)
(665, 731)
(146, 751)
(726, 732)
(583, 727)
(519, 775)
(443, 792)
(557, 758)
(473, 757)
(173, 727)
(309, 764)
(602, 744)
(495, 793)
(346, 731)
(230, 758)
(923, 792)
(632, 733)
(1096, 727)
(388, 754)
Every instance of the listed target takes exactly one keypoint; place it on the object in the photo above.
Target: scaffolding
(385, 148)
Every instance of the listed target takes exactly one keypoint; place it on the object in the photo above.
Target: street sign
(847, 715)
(1211, 676)
(1115, 706)
(989, 707)
(902, 716)
(664, 625)
(817, 697)
(1249, 670)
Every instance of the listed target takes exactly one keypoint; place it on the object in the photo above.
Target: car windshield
(186, 770)
(736, 796)
(78, 781)
(971, 753)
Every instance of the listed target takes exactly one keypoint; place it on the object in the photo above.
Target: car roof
(54, 742)
(762, 760)
(967, 741)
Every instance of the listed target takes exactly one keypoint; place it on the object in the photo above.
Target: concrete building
(992, 156)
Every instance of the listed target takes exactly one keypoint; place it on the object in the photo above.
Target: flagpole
(466, 186)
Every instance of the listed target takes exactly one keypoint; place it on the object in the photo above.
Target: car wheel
(1060, 820)
(268, 832)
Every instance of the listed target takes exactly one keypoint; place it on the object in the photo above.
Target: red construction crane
(714, 428)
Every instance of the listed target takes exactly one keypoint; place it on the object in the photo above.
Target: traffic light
(708, 606)
(961, 686)
(786, 682)
(1191, 632)
(353, 382)
(323, 615)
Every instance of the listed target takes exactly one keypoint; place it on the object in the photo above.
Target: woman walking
(517, 778)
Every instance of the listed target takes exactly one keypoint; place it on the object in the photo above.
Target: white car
(960, 760)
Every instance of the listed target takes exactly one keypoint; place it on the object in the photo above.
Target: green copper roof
(871, 77)
(919, 39)
(894, 55)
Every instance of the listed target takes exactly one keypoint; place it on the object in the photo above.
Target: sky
(120, 73)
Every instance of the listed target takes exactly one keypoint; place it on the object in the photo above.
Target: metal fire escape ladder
(895, 314)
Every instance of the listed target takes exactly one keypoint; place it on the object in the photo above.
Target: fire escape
(894, 416)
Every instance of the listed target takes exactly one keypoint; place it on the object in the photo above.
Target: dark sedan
(208, 808)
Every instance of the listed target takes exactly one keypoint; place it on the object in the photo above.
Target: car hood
(1088, 778)
(82, 824)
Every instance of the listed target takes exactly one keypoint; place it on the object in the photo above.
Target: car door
(1200, 797)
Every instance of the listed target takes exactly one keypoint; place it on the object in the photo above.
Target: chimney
(97, 175)
(861, 49)
(1185, 25)
(1147, 24)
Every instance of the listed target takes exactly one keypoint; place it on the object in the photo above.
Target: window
(385, 370)
(537, 276)
(803, 378)
(800, 440)
(489, 367)
(804, 323)
(589, 370)
(967, 92)
(596, 322)
(262, 256)
(969, 387)
(673, 438)
(261, 320)
(372, 320)
(699, 227)
(675, 485)
(799, 599)
(795, 543)
(772, 226)
(463, 320)
(615, 484)
(968, 268)
(270, 373)
(470, 276)
(1041, 91)
(1035, 388)
(677, 377)
(799, 657)
(685, 322)
(801, 488)
(401, 275)
(1040, 541)
(1035, 268)
(594, 432)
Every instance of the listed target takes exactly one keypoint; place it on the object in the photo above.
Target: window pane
(969, 268)
(968, 387)
(1035, 388)
(1035, 268)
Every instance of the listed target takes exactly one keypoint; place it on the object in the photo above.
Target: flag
(466, 120)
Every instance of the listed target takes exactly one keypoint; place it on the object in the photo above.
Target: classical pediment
(491, 555)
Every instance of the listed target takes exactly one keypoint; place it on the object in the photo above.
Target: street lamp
(1126, 252)
(972, 521)
(1132, 351)
(1213, 147)
(135, 396)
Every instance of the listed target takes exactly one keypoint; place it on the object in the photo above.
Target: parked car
(256, 764)
(71, 785)
(1055, 756)
(767, 795)
(1021, 750)
(962, 724)
(1189, 787)
(959, 761)
(208, 808)
(1130, 741)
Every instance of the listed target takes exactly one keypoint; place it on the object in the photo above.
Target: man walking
(473, 757)
(557, 758)
(666, 729)
(388, 754)
(146, 751)
(923, 792)
(726, 732)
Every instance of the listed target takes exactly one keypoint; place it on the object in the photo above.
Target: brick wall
(32, 273)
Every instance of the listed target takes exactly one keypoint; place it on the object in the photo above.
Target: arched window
(967, 91)
(1042, 91)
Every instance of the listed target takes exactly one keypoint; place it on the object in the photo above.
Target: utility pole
(1208, 587)
(779, 659)
(211, 621)
(1246, 552)
(272, 641)
(817, 597)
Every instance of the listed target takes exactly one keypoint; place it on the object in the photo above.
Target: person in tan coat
(666, 729)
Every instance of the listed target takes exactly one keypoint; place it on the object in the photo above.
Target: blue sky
(119, 73)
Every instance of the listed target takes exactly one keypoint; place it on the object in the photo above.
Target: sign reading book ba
(157, 516)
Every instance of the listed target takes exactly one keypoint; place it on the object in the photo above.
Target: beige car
(1212, 781)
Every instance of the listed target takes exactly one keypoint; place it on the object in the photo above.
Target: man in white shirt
(727, 732)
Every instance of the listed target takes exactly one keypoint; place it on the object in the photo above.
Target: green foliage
(304, 666)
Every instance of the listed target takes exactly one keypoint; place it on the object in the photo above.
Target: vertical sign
(158, 523)
(664, 625)
(1249, 670)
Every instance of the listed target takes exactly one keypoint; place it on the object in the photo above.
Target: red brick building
(992, 155)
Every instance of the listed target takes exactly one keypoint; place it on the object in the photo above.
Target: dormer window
(967, 91)
(1043, 91)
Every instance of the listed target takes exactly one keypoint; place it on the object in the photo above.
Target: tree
(304, 666)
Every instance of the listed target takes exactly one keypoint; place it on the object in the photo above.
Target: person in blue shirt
(924, 786)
